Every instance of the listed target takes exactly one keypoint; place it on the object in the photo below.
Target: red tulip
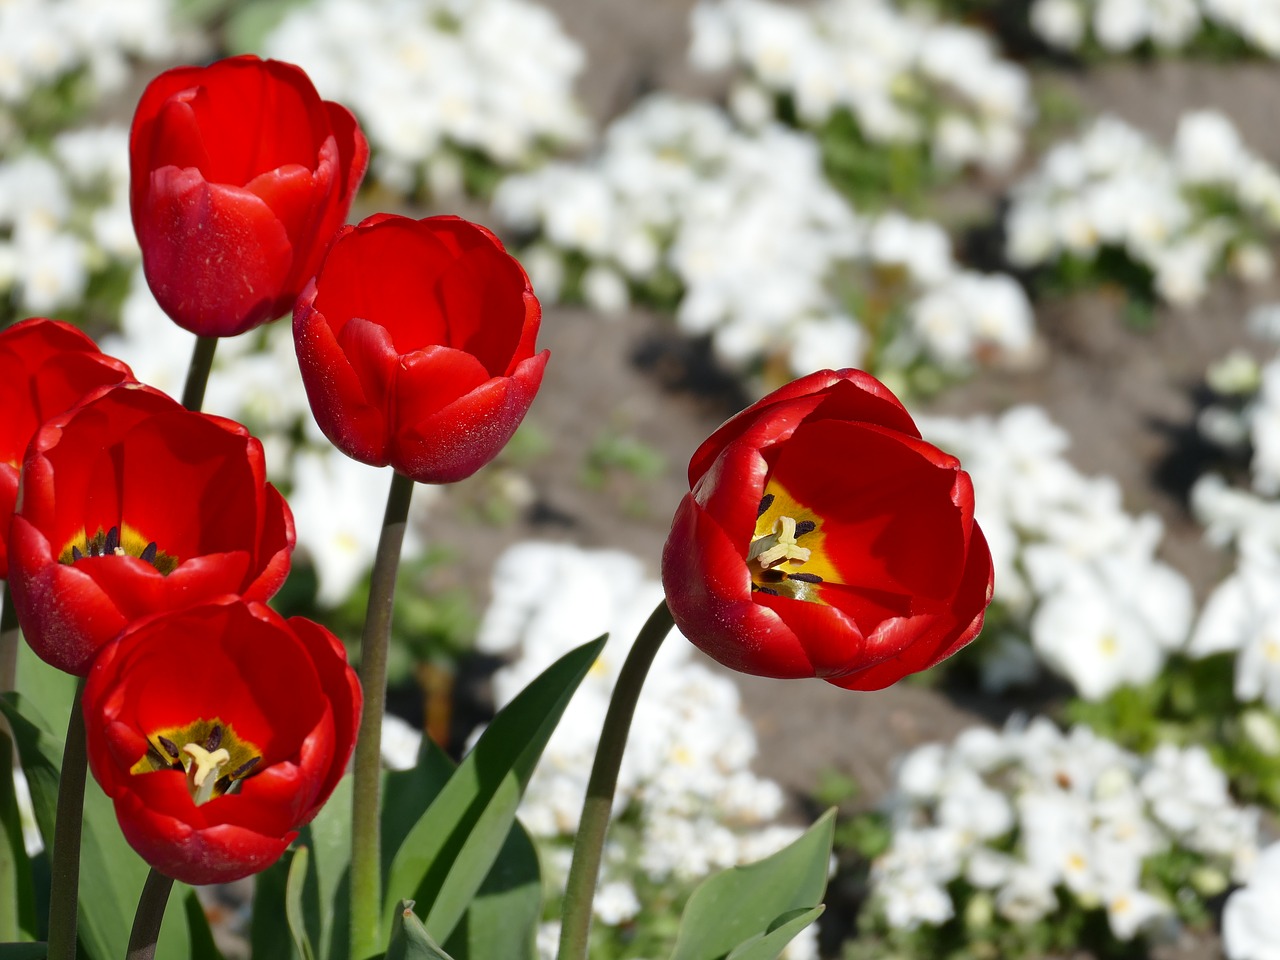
(217, 731)
(239, 177)
(46, 366)
(416, 343)
(823, 537)
(131, 505)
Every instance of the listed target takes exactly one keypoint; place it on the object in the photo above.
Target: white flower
(1207, 148)
(1250, 925)
(1058, 22)
(400, 743)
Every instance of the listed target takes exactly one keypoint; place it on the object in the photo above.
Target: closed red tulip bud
(823, 538)
(240, 175)
(416, 343)
(46, 366)
(131, 505)
(217, 731)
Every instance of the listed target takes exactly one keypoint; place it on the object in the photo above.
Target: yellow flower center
(209, 747)
(117, 542)
(787, 556)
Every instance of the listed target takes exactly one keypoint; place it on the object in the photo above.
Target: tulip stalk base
(198, 373)
(366, 837)
(588, 846)
(65, 857)
(146, 922)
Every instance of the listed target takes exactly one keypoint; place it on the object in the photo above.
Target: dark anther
(149, 553)
(772, 576)
(244, 768)
(806, 577)
(805, 526)
(765, 504)
(113, 542)
(76, 554)
(170, 747)
(769, 590)
(215, 738)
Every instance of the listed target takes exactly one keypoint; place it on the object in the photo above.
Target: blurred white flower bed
(1118, 26)
(1179, 214)
(905, 76)
(743, 235)
(1029, 824)
(439, 84)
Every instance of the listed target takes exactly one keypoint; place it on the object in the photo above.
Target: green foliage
(874, 176)
(745, 906)
(447, 854)
(1193, 701)
(17, 891)
(409, 938)
(106, 909)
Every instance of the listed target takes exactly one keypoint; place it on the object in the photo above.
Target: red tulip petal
(947, 634)
(187, 222)
(889, 520)
(709, 593)
(459, 439)
(343, 411)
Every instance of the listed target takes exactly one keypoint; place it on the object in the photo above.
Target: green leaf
(293, 903)
(202, 945)
(409, 938)
(446, 856)
(406, 795)
(23, 951)
(106, 909)
(17, 892)
(269, 937)
(769, 946)
(502, 921)
(731, 908)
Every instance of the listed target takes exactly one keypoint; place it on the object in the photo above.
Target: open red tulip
(240, 175)
(131, 505)
(217, 731)
(416, 343)
(46, 366)
(822, 537)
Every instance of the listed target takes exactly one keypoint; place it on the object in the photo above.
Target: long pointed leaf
(502, 920)
(449, 851)
(769, 946)
(738, 905)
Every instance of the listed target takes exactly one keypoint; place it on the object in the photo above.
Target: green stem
(588, 846)
(8, 641)
(64, 865)
(198, 372)
(366, 837)
(150, 914)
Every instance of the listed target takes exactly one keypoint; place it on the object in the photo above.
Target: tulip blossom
(217, 731)
(416, 343)
(46, 366)
(240, 175)
(131, 505)
(822, 537)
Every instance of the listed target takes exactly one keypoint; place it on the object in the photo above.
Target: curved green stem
(149, 916)
(65, 857)
(198, 372)
(366, 835)
(588, 846)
